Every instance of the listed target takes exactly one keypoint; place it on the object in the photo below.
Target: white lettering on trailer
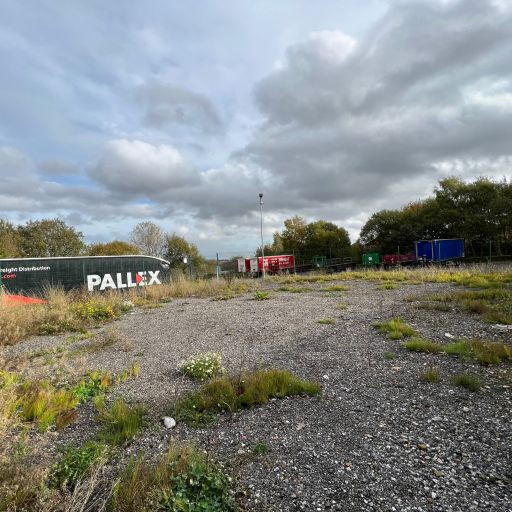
(107, 282)
(92, 281)
(141, 279)
(120, 283)
(154, 277)
(129, 280)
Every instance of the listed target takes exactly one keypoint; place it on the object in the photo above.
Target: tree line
(53, 237)
(478, 211)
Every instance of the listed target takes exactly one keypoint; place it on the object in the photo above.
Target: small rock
(326, 377)
(465, 409)
(169, 422)
(422, 446)
(300, 426)
(448, 335)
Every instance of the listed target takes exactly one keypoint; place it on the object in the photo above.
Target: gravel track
(376, 439)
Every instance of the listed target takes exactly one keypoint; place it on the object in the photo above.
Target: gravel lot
(378, 438)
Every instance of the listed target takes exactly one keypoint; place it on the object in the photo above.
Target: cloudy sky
(112, 113)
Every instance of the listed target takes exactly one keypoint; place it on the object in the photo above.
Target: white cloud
(140, 169)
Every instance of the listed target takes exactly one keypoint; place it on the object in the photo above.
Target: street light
(261, 230)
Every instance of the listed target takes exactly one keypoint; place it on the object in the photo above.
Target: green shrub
(96, 383)
(75, 463)
(260, 449)
(468, 381)
(422, 345)
(396, 329)
(183, 480)
(232, 393)
(458, 348)
(259, 295)
(120, 421)
(389, 355)
(202, 367)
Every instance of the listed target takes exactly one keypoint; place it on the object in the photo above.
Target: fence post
(218, 267)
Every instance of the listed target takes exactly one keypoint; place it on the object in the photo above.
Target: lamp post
(261, 231)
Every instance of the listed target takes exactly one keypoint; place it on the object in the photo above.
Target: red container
(395, 259)
(273, 264)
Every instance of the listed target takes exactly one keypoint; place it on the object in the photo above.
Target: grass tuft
(416, 344)
(396, 329)
(233, 393)
(120, 421)
(468, 381)
(389, 355)
(327, 321)
(431, 375)
(335, 288)
(387, 286)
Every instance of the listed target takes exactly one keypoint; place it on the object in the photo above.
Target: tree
(114, 248)
(177, 248)
(48, 238)
(149, 239)
(319, 238)
(9, 240)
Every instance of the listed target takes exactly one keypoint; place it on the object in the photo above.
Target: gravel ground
(378, 438)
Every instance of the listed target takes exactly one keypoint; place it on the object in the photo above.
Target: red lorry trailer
(273, 264)
(399, 259)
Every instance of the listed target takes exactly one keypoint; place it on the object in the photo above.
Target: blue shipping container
(440, 250)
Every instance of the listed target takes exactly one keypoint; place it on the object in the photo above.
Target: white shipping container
(241, 264)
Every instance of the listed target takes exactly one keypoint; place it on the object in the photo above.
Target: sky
(180, 113)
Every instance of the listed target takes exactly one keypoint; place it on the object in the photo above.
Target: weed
(431, 375)
(488, 352)
(261, 295)
(97, 382)
(120, 421)
(387, 286)
(293, 289)
(341, 305)
(468, 381)
(389, 355)
(75, 463)
(416, 344)
(485, 352)
(260, 449)
(42, 403)
(202, 367)
(183, 480)
(327, 321)
(396, 329)
(335, 288)
(458, 348)
(246, 390)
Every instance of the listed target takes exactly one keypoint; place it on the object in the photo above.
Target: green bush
(96, 383)
(259, 295)
(75, 463)
(204, 366)
(183, 480)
